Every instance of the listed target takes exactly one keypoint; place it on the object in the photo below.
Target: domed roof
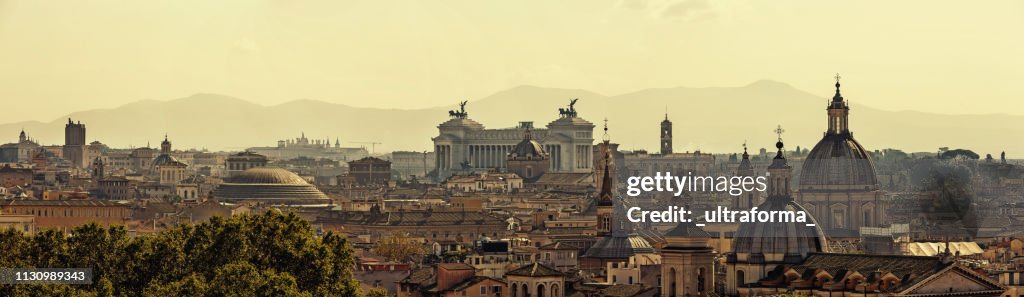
(164, 159)
(528, 148)
(838, 160)
(619, 247)
(780, 238)
(269, 184)
(267, 175)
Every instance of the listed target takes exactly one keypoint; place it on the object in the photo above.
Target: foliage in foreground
(273, 254)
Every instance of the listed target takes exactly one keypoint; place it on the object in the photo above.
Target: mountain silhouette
(714, 119)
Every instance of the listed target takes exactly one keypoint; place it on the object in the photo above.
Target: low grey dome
(267, 175)
(269, 184)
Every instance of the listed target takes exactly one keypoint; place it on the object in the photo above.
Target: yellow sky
(938, 56)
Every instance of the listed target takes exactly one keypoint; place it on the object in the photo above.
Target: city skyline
(634, 115)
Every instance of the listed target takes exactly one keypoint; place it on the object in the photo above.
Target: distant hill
(709, 119)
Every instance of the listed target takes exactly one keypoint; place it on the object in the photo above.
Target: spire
(780, 173)
(838, 114)
(838, 97)
(779, 145)
(605, 196)
(745, 168)
(605, 137)
(745, 155)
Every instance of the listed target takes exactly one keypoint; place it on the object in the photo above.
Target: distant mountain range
(716, 120)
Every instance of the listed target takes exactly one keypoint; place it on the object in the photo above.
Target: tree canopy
(272, 254)
(959, 153)
(398, 246)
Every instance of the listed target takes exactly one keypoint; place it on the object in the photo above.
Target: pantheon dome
(271, 185)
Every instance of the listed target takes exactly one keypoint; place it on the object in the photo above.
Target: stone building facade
(464, 145)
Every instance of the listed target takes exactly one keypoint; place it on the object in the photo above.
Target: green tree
(273, 254)
(377, 292)
(959, 153)
(397, 246)
(192, 285)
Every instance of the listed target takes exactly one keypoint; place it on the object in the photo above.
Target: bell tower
(688, 262)
(666, 135)
(780, 172)
(605, 198)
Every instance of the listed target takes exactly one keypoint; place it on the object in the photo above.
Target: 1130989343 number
(45, 275)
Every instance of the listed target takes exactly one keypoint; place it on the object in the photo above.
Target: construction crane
(373, 145)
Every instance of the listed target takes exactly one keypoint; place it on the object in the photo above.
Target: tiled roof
(623, 290)
(422, 276)
(59, 203)
(455, 266)
(470, 282)
(535, 269)
(565, 178)
(687, 229)
(912, 268)
(558, 246)
(414, 218)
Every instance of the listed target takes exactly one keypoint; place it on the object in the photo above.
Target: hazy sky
(938, 56)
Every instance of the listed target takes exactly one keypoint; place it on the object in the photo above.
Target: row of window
(71, 212)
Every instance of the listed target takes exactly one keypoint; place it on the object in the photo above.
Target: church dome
(788, 241)
(789, 238)
(838, 160)
(164, 159)
(619, 247)
(269, 184)
(528, 148)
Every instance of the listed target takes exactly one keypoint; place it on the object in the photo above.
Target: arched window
(700, 280)
(526, 291)
(740, 278)
(672, 282)
(554, 290)
(513, 288)
(540, 290)
(868, 216)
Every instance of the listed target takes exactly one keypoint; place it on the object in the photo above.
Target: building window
(483, 290)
